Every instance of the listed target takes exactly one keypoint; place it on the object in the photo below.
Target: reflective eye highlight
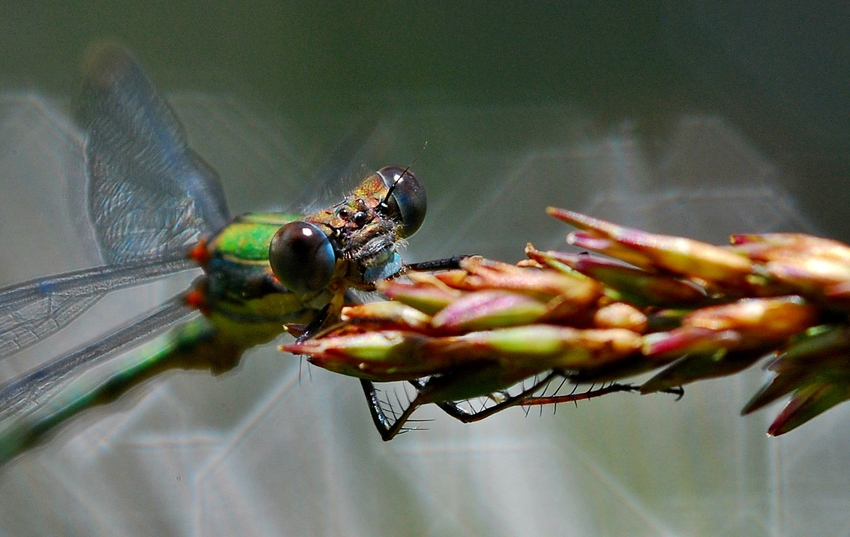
(302, 258)
(407, 202)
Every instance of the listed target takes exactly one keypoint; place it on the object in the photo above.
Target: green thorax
(247, 238)
(242, 298)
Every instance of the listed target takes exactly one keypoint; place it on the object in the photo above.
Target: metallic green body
(244, 302)
(247, 238)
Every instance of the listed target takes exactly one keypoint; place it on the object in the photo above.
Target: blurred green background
(779, 69)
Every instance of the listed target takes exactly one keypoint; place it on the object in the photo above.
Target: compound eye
(407, 202)
(302, 257)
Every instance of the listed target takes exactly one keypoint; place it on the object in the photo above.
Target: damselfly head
(356, 239)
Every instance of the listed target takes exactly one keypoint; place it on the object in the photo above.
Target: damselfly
(156, 208)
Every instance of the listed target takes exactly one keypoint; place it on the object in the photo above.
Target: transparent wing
(32, 311)
(29, 391)
(148, 194)
(148, 198)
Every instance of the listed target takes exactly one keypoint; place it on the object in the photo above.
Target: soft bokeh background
(690, 118)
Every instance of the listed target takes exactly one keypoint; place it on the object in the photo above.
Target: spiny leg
(574, 397)
(435, 265)
(592, 393)
(526, 398)
(315, 325)
(453, 409)
(387, 428)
